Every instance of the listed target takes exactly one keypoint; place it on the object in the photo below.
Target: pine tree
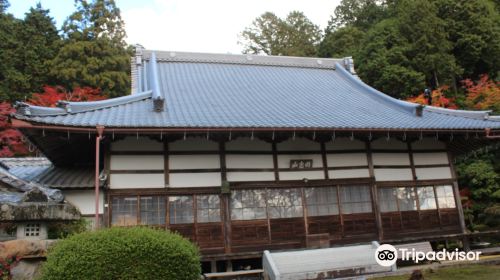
(94, 53)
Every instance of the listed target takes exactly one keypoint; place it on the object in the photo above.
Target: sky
(190, 25)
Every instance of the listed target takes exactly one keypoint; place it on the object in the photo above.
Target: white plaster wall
(353, 159)
(250, 176)
(430, 158)
(299, 144)
(344, 143)
(392, 174)
(391, 159)
(349, 173)
(193, 144)
(193, 161)
(433, 173)
(392, 144)
(183, 180)
(131, 143)
(133, 181)
(84, 200)
(137, 162)
(428, 144)
(247, 144)
(284, 160)
(299, 175)
(249, 161)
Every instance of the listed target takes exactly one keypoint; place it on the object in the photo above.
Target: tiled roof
(40, 170)
(248, 91)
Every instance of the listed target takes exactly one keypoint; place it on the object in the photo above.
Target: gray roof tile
(240, 91)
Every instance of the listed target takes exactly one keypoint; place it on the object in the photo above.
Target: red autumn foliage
(482, 95)
(438, 99)
(10, 139)
(51, 95)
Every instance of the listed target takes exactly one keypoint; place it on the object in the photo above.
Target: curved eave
(68, 107)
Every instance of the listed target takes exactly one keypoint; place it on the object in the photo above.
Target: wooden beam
(324, 159)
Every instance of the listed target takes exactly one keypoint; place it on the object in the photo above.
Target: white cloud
(209, 25)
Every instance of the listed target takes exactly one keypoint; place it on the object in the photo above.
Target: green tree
(41, 42)
(344, 41)
(94, 53)
(382, 61)
(362, 14)
(13, 83)
(295, 35)
(26, 46)
(429, 48)
(4, 5)
(474, 31)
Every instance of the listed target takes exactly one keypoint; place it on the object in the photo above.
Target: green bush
(123, 253)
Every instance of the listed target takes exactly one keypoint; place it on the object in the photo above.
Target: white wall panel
(299, 144)
(284, 160)
(428, 144)
(193, 144)
(354, 159)
(344, 143)
(349, 173)
(84, 200)
(391, 159)
(392, 144)
(185, 180)
(131, 143)
(131, 181)
(250, 176)
(249, 161)
(299, 175)
(430, 158)
(247, 144)
(392, 174)
(136, 162)
(433, 173)
(193, 161)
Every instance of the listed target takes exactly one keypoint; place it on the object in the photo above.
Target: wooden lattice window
(284, 203)
(446, 198)
(355, 199)
(321, 201)
(248, 205)
(124, 211)
(208, 208)
(152, 210)
(426, 198)
(181, 209)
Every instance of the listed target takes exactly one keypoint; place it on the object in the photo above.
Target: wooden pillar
(414, 175)
(275, 162)
(225, 199)
(166, 168)
(458, 201)
(374, 192)
(325, 162)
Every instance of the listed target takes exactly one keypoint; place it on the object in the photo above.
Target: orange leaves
(439, 99)
(482, 95)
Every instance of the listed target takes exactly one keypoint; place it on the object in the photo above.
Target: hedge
(123, 253)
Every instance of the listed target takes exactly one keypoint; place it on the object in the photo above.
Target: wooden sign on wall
(301, 163)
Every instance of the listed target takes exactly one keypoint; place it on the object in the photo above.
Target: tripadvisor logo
(387, 255)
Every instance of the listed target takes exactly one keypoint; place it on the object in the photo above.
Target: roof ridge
(245, 59)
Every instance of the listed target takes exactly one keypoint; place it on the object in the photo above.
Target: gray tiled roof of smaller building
(41, 171)
(251, 91)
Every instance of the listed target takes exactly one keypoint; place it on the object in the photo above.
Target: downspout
(489, 135)
(100, 131)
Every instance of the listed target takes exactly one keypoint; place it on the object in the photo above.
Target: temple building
(246, 153)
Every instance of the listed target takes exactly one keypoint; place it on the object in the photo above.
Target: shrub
(123, 253)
